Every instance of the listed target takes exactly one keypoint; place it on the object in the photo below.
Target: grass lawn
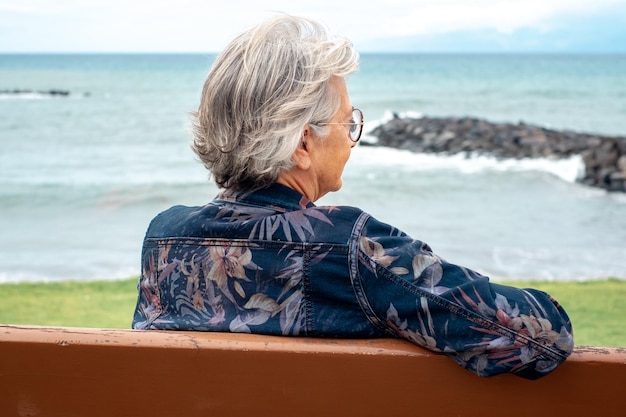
(107, 304)
(596, 308)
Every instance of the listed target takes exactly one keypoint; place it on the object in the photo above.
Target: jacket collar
(277, 196)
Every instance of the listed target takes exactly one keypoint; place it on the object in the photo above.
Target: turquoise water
(81, 176)
(576, 92)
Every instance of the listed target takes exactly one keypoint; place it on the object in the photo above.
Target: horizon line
(363, 52)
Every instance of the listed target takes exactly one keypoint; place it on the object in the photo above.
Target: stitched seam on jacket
(355, 277)
(306, 287)
(252, 243)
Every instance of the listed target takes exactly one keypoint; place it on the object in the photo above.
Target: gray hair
(262, 90)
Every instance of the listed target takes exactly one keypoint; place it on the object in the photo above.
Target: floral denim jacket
(271, 262)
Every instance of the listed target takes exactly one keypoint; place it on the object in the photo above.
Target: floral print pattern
(271, 262)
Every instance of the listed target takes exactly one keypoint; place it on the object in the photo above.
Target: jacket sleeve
(487, 328)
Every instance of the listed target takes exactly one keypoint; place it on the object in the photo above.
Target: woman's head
(263, 89)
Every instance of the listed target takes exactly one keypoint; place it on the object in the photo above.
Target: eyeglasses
(356, 125)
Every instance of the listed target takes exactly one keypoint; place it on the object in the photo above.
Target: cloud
(433, 17)
(578, 29)
(206, 26)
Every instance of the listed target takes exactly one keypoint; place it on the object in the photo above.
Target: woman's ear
(302, 155)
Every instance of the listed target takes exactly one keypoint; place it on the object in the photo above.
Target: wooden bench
(53, 371)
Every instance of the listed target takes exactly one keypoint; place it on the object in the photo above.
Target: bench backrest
(50, 371)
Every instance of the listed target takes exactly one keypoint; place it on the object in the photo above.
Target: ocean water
(81, 176)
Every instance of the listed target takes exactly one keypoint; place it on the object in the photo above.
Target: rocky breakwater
(604, 156)
(21, 92)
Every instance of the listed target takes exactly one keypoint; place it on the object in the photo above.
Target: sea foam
(568, 169)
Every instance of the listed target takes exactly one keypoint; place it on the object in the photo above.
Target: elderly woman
(275, 127)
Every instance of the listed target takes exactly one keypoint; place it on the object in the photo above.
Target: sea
(82, 175)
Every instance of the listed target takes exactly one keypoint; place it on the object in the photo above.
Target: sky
(465, 26)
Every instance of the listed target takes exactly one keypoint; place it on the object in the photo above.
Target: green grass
(107, 304)
(597, 308)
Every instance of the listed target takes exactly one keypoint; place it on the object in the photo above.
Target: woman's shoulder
(350, 213)
(174, 219)
(364, 222)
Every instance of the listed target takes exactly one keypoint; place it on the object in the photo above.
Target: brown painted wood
(48, 371)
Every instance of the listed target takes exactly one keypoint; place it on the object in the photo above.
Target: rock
(621, 163)
(52, 92)
(604, 157)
